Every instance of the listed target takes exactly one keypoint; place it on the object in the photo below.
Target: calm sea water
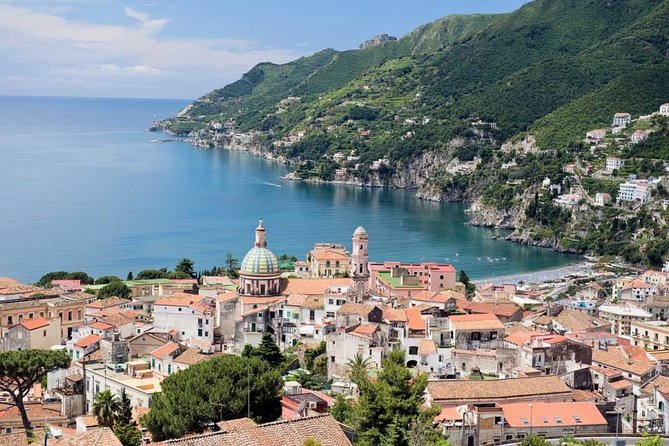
(82, 187)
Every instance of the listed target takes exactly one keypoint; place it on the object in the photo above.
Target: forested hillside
(478, 108)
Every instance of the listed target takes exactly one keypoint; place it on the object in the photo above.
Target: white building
(595, 135)
(664, 109)
(621, 316)
(135, 377)
(187, 314)
(621, 119)
(638, 136)
(613, 163)
(602, 198)
(634, 190)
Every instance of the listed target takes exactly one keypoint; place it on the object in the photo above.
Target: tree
(119, 289)
(105, 408)
(46, 279)
(219, 388)
(391, 407)
(150, 274)
(648, 440)
(129, 276)
(269, 352)
(233, 264)
(342, 410)
(309, 441)
(185, 267)
(128, 434)
(358, 368)
(124, 412)
(103, 280)
(21, 369)
(469, 286)
(533, 440)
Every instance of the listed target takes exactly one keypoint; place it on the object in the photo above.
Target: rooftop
(464, 322)
(472, 391)
(395, 282)
(34, 324)
(582, 413)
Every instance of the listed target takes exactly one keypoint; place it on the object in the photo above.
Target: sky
(185, 48)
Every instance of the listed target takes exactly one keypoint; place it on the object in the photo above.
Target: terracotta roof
(238, 425)
(102, 436)
(108, 302)
(355, 309)
(192, 301)
(464, 322)
(88, 340)
(329, 255)
(366, 329)
(35, 412)
(34, 324)
(552, 414)
(394, 314)
(322, 428)
(226, 297)
(628, 359)
(247, 300)
(522, 336)
(19, 438)
(505, 310)
(101, 326)
(426, 347)
(448, 414)
(472, 391)
(575, 320)
(416, 321)
(194, 355)
(312, 302)
(621, 384)
(312, 286)
(164, 350)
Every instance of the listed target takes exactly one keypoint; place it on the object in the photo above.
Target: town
(581, 355)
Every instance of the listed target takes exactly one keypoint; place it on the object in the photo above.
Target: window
(331, 301)
(9, 320)
(78, 314)
(498, 420)
(179, 308)
(199, 332)
(30, 316)
(558, 420)
(44, 333)
(413, 350)
(69, 315)
(524, 420)
(577, 419)
(8, 430)
(169, 369)
(259, 315)
(332, 359)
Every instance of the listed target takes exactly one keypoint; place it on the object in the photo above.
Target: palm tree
(105, 407)
(358, 368)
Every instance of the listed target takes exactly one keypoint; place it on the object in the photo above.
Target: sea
(84, 187)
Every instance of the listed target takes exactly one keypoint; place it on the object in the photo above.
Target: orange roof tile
(583, 413)
(475, 322)
(416, 321)
(34, 324)
(101, 326)
(312, 286)
(88, 340)
(164, 350)
(448, 414)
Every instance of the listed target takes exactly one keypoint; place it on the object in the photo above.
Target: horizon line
(91, 97)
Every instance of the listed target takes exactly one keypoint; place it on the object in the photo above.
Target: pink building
(403, 280)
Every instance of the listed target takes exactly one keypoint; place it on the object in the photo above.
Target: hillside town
(580, 355)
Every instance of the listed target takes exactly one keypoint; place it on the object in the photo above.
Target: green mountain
(492, 89)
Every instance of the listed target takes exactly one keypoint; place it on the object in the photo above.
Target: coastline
(582, 267)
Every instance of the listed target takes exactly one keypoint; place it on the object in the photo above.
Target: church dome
(260, 260)
(360, 231)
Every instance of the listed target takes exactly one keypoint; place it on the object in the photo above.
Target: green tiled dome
(260, 260)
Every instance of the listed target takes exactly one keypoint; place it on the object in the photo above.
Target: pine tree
(129, 276)
(124, 413)
(268, 351)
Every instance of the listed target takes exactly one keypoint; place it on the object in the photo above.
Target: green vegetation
(21, 369)
(214, 390)
(115, 288)
(46, 279)
(390, 409)
(116, 412)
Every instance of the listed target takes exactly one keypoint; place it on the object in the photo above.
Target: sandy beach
(581, 268)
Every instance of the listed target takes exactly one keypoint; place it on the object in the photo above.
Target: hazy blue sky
(182, 49)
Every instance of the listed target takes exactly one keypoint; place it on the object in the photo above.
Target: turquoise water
(83, 188)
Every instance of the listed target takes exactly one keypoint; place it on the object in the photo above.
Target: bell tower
(360, 264)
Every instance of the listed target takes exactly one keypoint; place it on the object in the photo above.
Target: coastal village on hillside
(587, 353)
